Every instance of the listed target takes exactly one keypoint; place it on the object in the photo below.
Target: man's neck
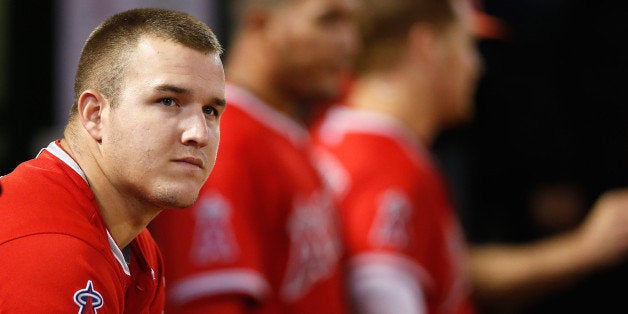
(389, 97)
(123, 216)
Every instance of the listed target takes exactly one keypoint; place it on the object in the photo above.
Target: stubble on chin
(174, 199)
(178, 202)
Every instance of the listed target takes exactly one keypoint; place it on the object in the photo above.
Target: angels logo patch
(214, 240)
(390, 228)
(88, 299)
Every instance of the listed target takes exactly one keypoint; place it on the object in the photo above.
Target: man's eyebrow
(219, 102)
(180, 90)
(172, 88)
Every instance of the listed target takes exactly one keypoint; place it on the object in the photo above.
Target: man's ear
(90, 109)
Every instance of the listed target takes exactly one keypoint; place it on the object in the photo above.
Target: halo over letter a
(88, 299)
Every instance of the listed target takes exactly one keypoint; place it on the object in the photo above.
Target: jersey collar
(55, 149)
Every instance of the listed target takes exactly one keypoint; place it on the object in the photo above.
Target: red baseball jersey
(262, 228)
(394, 204)
(56, 255)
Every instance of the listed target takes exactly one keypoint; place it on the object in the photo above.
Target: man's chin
(458, 122)
(178, 200)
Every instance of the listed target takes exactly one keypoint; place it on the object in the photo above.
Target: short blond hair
(104, 56)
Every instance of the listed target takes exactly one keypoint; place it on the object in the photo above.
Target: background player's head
(431, 43)
(149, 94)
(307, 45)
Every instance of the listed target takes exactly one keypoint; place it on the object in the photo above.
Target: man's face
(315, 43)
(460, 67)
(160, 139)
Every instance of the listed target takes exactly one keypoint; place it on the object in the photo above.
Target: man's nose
(195, 129)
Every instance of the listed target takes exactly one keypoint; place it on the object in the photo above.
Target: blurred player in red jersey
(263, 238)
(416, 76)
(142, 137)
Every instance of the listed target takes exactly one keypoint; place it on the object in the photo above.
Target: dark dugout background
(550, 111)
(551, 116)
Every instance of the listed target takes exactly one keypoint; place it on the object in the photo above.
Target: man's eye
(210, 111)
(169, 102)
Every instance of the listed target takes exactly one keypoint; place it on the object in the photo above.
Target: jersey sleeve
(56, 273)
(388, 221)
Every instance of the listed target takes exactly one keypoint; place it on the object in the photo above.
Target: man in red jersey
(142, 137)
(263, 238)
(416, 77)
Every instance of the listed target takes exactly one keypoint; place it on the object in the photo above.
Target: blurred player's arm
(504, 275)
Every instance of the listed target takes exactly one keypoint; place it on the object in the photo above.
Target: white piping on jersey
(58, 152)
(332, 171)
(263, 113)
(210, 283)
(384, 288)
(118, 254)
(394, 261)
(341, 120)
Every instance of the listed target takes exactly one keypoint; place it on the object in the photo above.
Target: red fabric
(54, 248)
